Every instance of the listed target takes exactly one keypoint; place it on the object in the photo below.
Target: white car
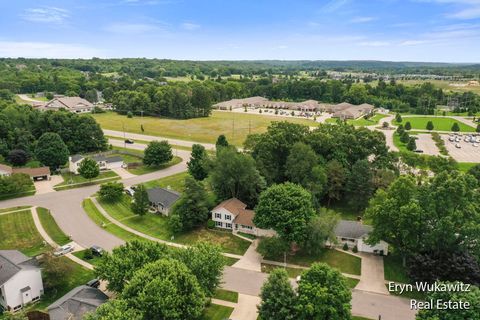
(458, 145)
(475, 144)
(129, 191)
(63, 250)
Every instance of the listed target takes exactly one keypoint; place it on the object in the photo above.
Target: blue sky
(396, 30)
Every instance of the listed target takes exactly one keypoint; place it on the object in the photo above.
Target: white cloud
(47, 50)
(46, 15)
(132, 28)
(190, 26)
(408, 43)
(374, 43)
(362, 19)
(466, 9)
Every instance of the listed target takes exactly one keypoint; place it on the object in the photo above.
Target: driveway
(46, 186)
(123, 173)
(372, 278)
(251, 260)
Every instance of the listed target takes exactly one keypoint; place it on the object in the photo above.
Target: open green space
(174, 146)
(465, 166)
(344, 262)
(216, 312)
(14, 209)
(235, 126)
(362, 122)
(143, 169)
(71, 180)
(394, 270)
(128, 158)
(31, 191)
(93, 260)
(439, 123)
(51, 227)
(156, 225)
(176, 182)
(103, 222)
(18, 232)
(226, 295)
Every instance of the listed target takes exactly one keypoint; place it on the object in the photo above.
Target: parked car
(458, 145)
(129, 191)
(96, 251)
(63, 250)
(94, 283)
(129, 141)
(418, 151)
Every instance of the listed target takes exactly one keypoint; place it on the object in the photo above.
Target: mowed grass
(81, 255)
(344, 262)
(439, 123)
(156, 225)
(143, 169)
(394, 270)
(51, 227)
(18, 232)
(14, 209)
(176, 182)
(226, 295)
(235, 126)
(70, 178)
(216, 312)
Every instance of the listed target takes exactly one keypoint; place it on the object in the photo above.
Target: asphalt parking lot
(424, 142)
(466, 153)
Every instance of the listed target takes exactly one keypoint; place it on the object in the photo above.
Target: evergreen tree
(221, 142)
(398, 118)
(408, 125)
(197, 166)
(455, 127)
(412, 145)
(405, 137)
(140, 201)
(430, 125)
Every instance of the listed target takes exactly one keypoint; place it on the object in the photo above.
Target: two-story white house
(104, 162)
(20, 280)
(232, 214)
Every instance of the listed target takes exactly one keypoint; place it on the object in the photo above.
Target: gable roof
(12, 262)
(233, 205)
(71, 103)
(33, 172)
(77, 302)
(163, 196)
(245, 217)
(97, 158)
(352, 229)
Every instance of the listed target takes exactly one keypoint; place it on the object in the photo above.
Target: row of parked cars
(474, 139)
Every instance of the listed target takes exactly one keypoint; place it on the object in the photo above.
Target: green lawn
(394, 270)
(71, 180)
(30, 191)
(156, 225)
(127, 158)
(81, 254)
(174, 146)
(216, 312)
(198, 129)
(465, 166)
(342, 261)
(143, 169)
(78, 276)
(226, 295)
(103, 222)
(51, 227)
(176, 182)
(362, 122)
(229, 261)
(14, 209)
(18, 232)
(439, 123)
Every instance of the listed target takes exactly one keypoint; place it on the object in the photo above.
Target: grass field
(29, 192)
(465, 166)
(156, 225)
(226, 295)
(176, 182)
(51, 227)
(394, 270)
(439, 123)
(235, 126)
(444, 84)
(174, 146)
(216, 312)
(81, 254)
(18, 232)
(143, 169)
(361, 122)
(14, 209)
(342, 261)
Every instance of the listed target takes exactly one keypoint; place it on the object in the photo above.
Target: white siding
(221, 216)
(25, 278)
(381, 246)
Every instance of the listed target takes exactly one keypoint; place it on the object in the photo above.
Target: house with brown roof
(41, 173)
(232, 214)
(72, 104)
(346, 110)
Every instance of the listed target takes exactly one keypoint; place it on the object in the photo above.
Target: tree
(221, 142)
(165, 289)
(17, 157)
(192, 207)
(478, 128)
(400, 129)
(320, 229)
(115, 309)
(140, 202)
(278, 297)
(398, 118)
(51, 150)
(405, 137)
(234, 174)
(455, 127)
(475, 171)
(197, 166)
(300, 163)
(430, 125)
(359, 185)
(286, 208)
(272, 247)
(408, 125)
(336, 177)
(157, 153)
(111, 191)
(54, 271)
(323, 293)
(412, 145)
(88, 168)
(452, 296)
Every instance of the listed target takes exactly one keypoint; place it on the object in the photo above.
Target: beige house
(72, 104)
(232, 214)
(41, 173)
(261, 102)
(346, 110)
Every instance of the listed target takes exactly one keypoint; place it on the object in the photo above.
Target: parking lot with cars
(426, 144)
(463, 147)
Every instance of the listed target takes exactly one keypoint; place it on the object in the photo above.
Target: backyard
(235, 126)
(439, 123)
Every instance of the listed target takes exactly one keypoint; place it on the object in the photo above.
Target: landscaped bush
(439, 143)
(272, 247)
(88, 255)
(355, 249)
(345, 247)
(16, 183)
(210, 224)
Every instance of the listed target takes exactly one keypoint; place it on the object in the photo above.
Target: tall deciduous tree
(278, 297)
(300, 163)
(286, 208)
(115, 309)
(51, 150)
(320, 229)
(140, 202)
(17, 157)
(157, 153)
(88, 168)
(111, 191)
(198, 164)
(336, 177)
(359, 185)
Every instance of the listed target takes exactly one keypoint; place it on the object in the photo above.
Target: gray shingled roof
(351, 229)
(11, 262)
(98, 158)
(76, 157)
(77, 302)
(163, 196)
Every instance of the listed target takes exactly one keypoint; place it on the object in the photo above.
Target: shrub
(272, 247)
(88, 255)
(408, 125)
(345, 247)
(129, 114)
(210, 224)
(355, 249)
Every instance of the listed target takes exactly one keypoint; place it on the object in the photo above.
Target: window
(247, 227)
(228, 225)
(218, 216)
(218, 224)
(228, 217)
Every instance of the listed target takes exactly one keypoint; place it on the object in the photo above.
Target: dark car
(419, 151)
(96, 250)
(130, 141)
(94, 283)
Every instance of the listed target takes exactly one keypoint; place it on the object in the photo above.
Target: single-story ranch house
(72, 104)
(41, 173)
(232, 214)
(76, 303)
(104, 162)
(354, 233)
(162, 200)
(20, 280)
(347, 110)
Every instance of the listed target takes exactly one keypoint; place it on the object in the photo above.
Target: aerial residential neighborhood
(268, 160)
